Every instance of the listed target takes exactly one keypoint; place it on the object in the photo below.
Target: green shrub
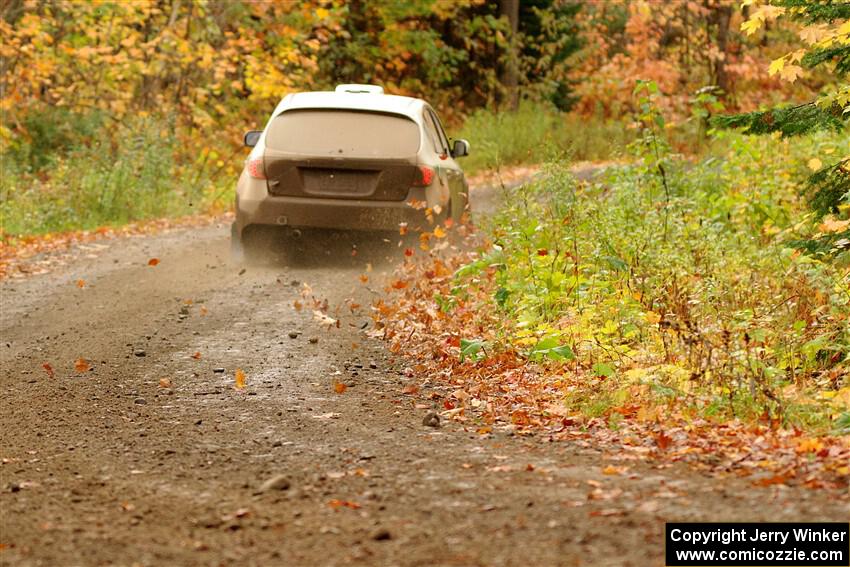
(676, 280)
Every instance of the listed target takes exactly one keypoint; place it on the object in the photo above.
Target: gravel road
(153, 458)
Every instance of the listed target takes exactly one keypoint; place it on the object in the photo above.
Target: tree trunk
(510, 71)
(722, 16)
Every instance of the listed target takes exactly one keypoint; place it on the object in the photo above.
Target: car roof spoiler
(354, 88)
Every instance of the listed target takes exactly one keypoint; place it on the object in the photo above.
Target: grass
(537, 132)
(83, 172)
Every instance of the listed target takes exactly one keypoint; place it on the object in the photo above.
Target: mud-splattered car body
(350, 159)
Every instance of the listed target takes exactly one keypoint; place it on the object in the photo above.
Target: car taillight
(426, 176)
(256, 168)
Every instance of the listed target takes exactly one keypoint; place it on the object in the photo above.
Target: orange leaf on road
(153, 261)
(48, 369)
(82, 365)
(337, 504)
(197, 356)
(663, 441)
(81, 283)
(339, 387)
(239, 379)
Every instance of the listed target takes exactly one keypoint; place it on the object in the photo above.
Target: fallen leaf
(203, 310)
(408, 252)
(832, 225)
(410, 389)
(82, 365)
(337, 504)
(439, 232)
(165, 383)
(663, 441)
(81, 284)
(612, 470)
(769, 481)
(297, 305)
(153, 261)
(197, 355)
(364, 278)
(48, 369)
(339, 387)
(608, 512)
(649, 506)
(402, 228)
(239, 379)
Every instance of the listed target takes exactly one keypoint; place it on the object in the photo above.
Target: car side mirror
(460, 148)
(251, 138)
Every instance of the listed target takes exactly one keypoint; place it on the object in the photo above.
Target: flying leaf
(81, 284)
(323, 319)
(153, 261)
(82, 365)
(815, 164)
(239, 382)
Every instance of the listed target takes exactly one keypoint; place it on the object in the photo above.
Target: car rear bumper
(341, 214)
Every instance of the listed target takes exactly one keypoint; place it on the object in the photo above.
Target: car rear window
(345, 133)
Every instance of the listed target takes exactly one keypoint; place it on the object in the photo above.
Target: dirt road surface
(108, 467)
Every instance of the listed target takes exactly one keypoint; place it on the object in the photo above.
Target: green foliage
(537, 132)
(675, 280)
(790, 121)
(818, 11)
